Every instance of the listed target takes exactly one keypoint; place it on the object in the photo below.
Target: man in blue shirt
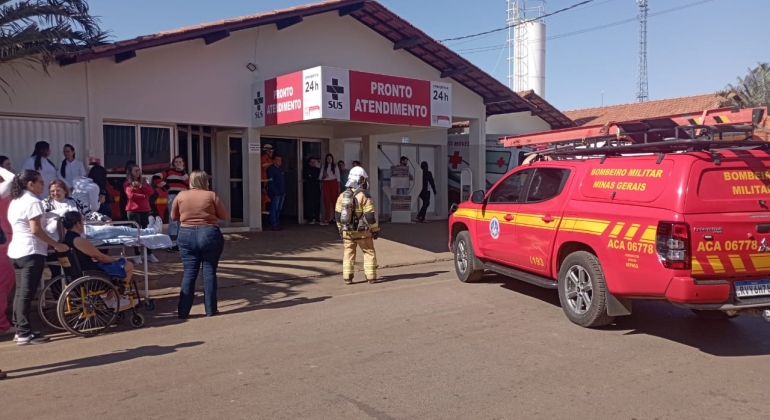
(276, 190)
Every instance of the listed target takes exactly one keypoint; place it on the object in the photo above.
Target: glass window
(196, 152)
(207, 155)
(498, 161)
(236, 158)
(546, 184)
(156, 149)
(509, 190)
(119, 147)
(182, 150)
(207, 129)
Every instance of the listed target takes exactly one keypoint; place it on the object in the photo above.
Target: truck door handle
(508, 217)
(547, 218)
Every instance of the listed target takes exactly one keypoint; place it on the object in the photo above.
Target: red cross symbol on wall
(455, 160)
(500, 162)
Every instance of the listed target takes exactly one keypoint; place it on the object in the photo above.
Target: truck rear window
(719, 184)
(640, 181)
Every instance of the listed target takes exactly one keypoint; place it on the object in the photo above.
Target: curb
(382, 267)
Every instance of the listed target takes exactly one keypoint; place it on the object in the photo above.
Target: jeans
(173, 225)
(27, 281)
(425, 197)
(199, 245)
(112, 232)
(276, 205)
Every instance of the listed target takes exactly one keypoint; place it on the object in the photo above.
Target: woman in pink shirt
(7, 273)
(138, 192)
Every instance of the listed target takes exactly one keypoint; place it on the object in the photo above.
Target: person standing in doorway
(427, 180)
(138, 192)
(357, 223)
(276, 190)
(40, 162)
(174, 180)
(343, 174)
(200, 241)
(330, 177)
(98, 175)
(71, 169)
(312, 191)
(267, 162)
(28, 249)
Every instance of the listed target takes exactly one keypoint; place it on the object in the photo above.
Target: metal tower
(526, 45)
(642, 92)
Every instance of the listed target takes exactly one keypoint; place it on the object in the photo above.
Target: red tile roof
(499, 99)
(649, 109)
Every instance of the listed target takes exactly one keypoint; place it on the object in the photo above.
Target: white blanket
(157, 241)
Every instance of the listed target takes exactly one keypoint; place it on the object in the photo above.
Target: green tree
(34, 32)
(752, 90)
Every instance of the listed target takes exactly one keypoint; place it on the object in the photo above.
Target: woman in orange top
(200, 241)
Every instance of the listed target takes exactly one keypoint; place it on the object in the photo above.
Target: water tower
(526, 45)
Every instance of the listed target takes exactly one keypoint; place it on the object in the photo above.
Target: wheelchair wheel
(47, 303)
(83, 308)
(137, 320)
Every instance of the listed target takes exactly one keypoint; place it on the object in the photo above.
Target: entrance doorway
(236, 178)
(287, 149)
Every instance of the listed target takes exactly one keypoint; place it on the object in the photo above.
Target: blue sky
(691, 51)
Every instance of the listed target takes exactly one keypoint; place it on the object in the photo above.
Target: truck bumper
(708, 295)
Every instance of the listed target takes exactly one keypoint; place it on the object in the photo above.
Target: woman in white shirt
(330, 187)
(28, 249)
(71, 169)
(39, 162)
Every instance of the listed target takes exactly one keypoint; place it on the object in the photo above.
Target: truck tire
(468, 267)
(713, 315)
(583, 291)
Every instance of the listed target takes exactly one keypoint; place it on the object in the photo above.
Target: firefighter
(357, 223)
(267, 161)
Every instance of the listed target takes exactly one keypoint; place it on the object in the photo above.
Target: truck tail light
(672, 244)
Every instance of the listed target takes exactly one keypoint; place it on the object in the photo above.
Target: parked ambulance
(499, 160)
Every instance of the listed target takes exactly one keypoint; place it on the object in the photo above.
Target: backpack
(348, 217)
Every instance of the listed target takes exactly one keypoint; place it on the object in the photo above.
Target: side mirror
(478, 197)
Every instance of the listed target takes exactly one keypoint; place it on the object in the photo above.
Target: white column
(252, 181)
(440, 177)
(369, 154)
(94, 129)
(222, 171)
(478, 153)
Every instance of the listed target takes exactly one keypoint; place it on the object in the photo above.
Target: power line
(523, 22)
(476, 50)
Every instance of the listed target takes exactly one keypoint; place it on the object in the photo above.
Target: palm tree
(34, 32)
(753, 90)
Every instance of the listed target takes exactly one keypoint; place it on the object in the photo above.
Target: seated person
(86, 253)
(60, 202)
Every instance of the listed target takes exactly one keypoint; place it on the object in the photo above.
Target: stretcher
(144, 242)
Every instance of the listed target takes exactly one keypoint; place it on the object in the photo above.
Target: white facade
(193, 84)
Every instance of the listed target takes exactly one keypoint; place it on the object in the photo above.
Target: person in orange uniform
(267, 161)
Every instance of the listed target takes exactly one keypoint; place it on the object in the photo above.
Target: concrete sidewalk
(303, 252)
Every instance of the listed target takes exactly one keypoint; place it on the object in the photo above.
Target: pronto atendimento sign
(348, 95)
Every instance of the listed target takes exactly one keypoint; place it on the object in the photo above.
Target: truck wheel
(713, 315)
(582, 290)
(468, 267)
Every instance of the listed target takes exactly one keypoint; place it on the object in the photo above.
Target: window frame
(138, 141)
(524, 187)
(524, 198)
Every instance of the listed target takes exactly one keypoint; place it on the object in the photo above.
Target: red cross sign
(500, 162)
(455, 160)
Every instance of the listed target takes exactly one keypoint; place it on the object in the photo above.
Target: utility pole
(642, 91)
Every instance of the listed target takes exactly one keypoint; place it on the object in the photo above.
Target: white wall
(514, 124)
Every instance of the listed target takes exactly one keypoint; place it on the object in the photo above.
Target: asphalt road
(420, 345)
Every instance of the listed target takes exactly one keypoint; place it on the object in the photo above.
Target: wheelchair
(77, 300)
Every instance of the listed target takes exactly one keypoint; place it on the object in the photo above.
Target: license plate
(752, 288)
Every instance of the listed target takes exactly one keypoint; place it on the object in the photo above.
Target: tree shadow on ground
(740, 337)
(100, 360)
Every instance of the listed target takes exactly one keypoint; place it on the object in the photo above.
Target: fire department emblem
(494, 228)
